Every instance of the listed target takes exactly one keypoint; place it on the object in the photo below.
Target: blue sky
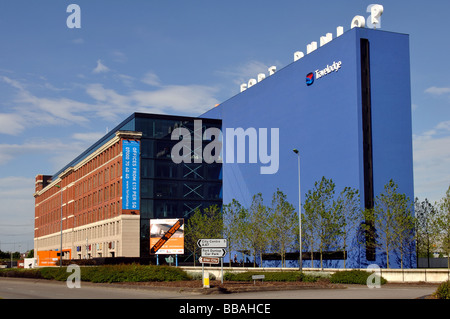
(61, 89)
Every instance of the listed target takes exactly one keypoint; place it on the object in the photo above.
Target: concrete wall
(391, 275)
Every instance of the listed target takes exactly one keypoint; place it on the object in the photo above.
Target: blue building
(346, 107)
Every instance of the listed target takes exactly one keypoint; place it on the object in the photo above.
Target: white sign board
(213, 252)
(212, 243)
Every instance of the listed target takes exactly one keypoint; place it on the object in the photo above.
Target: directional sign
(213, 252)
(212, 243)
(208, 260)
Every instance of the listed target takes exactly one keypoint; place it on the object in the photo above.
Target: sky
(62, 88)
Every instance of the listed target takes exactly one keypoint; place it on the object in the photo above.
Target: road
(12, 288)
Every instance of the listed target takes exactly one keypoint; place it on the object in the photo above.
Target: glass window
(147, 168)
(166, 169)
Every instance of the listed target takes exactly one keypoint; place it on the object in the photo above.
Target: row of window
(97, 179)
(98, 161)
(163, 189)
(98, 197)
(154, 208)
(51, 222)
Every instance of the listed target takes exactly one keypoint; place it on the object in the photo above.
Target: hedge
(353, 277)
(270, 276)
(98, 274)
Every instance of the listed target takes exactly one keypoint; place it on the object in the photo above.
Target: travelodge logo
(310, 77)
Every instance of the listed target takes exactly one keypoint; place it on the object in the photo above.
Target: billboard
(167, 236)
(130, 174)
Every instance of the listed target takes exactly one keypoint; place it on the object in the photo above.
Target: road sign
(208, 260)
(213, 252)
(212, 243)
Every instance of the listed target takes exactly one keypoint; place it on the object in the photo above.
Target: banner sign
(130, 174)
(167, 236)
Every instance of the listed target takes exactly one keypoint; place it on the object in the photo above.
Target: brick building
(103, 200)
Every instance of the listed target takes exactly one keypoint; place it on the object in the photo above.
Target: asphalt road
(12, 288)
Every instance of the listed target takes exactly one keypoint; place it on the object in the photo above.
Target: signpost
(212, 243)
(212, 250)
(208, 260)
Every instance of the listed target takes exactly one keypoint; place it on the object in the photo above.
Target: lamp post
(299, 213)
(60, 250)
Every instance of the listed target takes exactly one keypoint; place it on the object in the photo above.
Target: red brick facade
(91, 191)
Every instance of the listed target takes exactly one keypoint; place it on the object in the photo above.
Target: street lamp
(61, 227)
(299, 213)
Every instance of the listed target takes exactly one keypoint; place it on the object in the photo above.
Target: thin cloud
(118, 56)
(11, 124)
(178, 99)
(102, 103)
(88, 137)
(100, 68)
(242, 73)
(438, 90)
(151, 79)
(432, 162)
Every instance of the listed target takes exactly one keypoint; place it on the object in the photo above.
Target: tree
(193, 232)
(283, 224)
(404, 227)
(393, 220)
(321, 216)
(426, 228)
(30, 253)
(443, 222)
(349, 216)
(233, 215)
(206, 224)
(256, 228)
(213, 222)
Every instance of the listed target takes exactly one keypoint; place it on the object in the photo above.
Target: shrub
(198, 276)
(443, 291)
(102, 274)
(22, 273)
(270, 276)
(352, 277)
(132, 273)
